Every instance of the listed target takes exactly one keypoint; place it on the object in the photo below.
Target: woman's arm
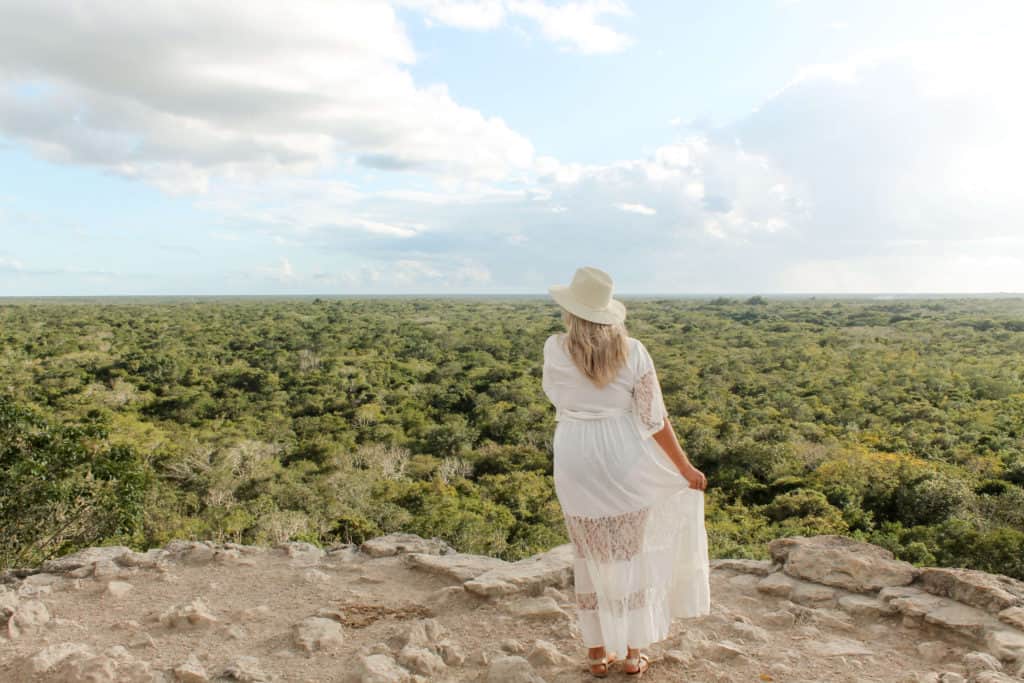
(666, 438)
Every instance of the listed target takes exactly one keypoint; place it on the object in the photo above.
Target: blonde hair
(598, 350)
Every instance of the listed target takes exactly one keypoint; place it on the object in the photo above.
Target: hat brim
(614, 313)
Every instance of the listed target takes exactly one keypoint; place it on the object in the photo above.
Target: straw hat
(589, 296)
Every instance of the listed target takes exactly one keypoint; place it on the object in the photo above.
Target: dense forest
(899, 422)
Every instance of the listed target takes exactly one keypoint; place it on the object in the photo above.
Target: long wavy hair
(598, 350)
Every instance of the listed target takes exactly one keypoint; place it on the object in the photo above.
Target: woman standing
(633, 503)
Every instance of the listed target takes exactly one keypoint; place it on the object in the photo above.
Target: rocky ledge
(403, 608)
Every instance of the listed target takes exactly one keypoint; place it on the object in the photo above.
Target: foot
(599, 662)
(635, 663)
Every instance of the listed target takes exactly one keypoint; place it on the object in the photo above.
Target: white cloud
(182, 93)
(636, 208)
(577, 24)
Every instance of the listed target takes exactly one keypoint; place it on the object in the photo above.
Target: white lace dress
(637, 526)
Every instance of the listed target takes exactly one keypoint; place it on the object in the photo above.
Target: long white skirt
(638, 530)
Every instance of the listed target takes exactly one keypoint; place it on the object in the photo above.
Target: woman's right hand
(696, 478)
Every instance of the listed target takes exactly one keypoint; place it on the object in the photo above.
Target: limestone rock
(28, 615)
(722, 650)
(422, 661)
(512, 646)
(190, 671)
(759, 567)
(749, 632)
(777, 584)
(1014, 616)
(841, 561)
(190, 552)
(838, 647)
(545, 654)
(246, 669)
(934, 651)
(315, 634)
(399, 544)
(154, 558)
(782, 618)
(84, 557)
(531, 575)
(456, 566)
(865, 606)
(424, 633)
(451, 653)
(746, 582)
(300, 552)
(805, 593)
(969, 621)
(537, 608)
(379, 668)
(194, 614)
(512, 670)
(49, 659)
(118, 589)
(990, 592)
(976, 662)
(1005, 643)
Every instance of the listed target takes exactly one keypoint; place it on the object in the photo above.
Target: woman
(633, 503)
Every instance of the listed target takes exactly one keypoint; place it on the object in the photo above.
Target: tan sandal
(605, 661)
(641, 662)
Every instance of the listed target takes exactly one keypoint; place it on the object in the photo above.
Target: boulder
(531, 575)
(400, 544)
(842, 562)
(456, 566)
(1005, 643)
(990, 592)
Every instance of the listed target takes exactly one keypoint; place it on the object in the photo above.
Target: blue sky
(442, 146)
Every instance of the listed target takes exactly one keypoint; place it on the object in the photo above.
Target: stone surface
(1014, 616)
(190, 671)
(456, 566)
(1005, 643)
(990, 592)
(842, 562)
(777, 584)
(398, 544)
(532, 575)
(512, 670)
(85, 557)
(118, 589)
(247, 669)
(759, 567)
(315, 634)
(865, 606)
(806, 593)
(545, 654)
(839, 647)
(195, 614)
(377, 669)
(422, 661)
(976, 662)
(537, 608)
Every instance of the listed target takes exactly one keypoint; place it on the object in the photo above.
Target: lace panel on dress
(635, 600)
(647, 401)
(604, 539)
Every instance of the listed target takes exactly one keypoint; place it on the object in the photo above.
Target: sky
(494, 146)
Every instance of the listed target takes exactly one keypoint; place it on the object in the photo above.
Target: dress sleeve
(648, 403)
